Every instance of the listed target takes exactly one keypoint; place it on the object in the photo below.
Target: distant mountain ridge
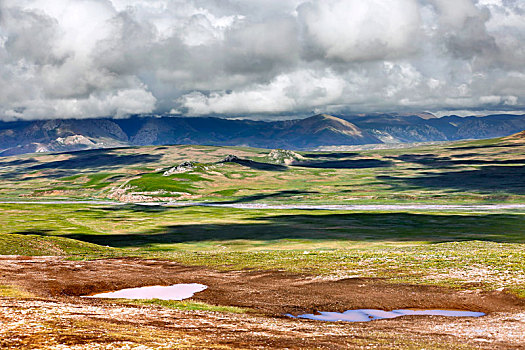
(320, 130)
(412, 128)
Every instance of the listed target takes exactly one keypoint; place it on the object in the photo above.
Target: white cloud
(355, 30)
(85, 58)
(297, 91)
(117, 103)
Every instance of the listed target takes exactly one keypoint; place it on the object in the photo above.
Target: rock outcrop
(183, 167)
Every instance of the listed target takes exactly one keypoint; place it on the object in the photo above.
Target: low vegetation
(463, 249)
(35, 243)
(8, 291)
(454, 248)
(459, 249)
(464, 172)
(187, 305)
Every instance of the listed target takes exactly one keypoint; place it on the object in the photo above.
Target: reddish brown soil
(269, 293)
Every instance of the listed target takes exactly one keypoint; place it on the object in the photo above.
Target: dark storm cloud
(86, 58)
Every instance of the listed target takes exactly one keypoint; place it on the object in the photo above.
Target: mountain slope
(415, 128)
(320, 130)
(301, 133)
(519, 137)
(59, 135)
(323, 129)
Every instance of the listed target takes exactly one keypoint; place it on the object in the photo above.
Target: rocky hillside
(391, 128)
(319, 130)
(323, 130)
(520, 136)
(59, 135)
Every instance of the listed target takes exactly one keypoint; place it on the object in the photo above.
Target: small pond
(174, 292)
(365, 315)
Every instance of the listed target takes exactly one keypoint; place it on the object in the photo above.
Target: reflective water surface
(365, 315)
(174, 292)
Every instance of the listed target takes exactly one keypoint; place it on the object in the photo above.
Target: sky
(94, 58)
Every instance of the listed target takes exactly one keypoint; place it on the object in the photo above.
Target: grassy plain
(462, 172)
(425, 247)
(467, 250)
(459, 249)
(187, 305)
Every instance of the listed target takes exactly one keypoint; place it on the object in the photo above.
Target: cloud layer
(89, 58)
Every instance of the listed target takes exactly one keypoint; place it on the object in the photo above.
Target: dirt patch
(61, 318)
(272, 293)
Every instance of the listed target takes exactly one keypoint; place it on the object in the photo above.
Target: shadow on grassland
(349, 227)
(257, 165)
(488, 179)
(97, 159)
(256, 197)
(135, 208)
(345, 164)
(17, 162)
(78, 162)
(321, 162)
(475, 147)
(336, 155)
(433, 160)
(38, 232)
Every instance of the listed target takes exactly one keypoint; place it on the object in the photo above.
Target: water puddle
(365, 315)
(174, 292)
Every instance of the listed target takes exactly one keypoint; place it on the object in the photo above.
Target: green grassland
(461, 172)
(466, 250)
(187, 305)
(454, 248)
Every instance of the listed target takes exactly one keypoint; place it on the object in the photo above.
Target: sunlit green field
(454, 248)
(466, 250)
(463, 172)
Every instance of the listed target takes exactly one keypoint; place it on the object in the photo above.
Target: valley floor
(53, 316)
(430, 227)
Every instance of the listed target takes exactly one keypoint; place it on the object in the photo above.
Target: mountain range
(60, 135)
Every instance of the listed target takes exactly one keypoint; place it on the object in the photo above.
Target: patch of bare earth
(59, 318)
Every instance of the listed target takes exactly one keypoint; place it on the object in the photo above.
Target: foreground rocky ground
(54, 316)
